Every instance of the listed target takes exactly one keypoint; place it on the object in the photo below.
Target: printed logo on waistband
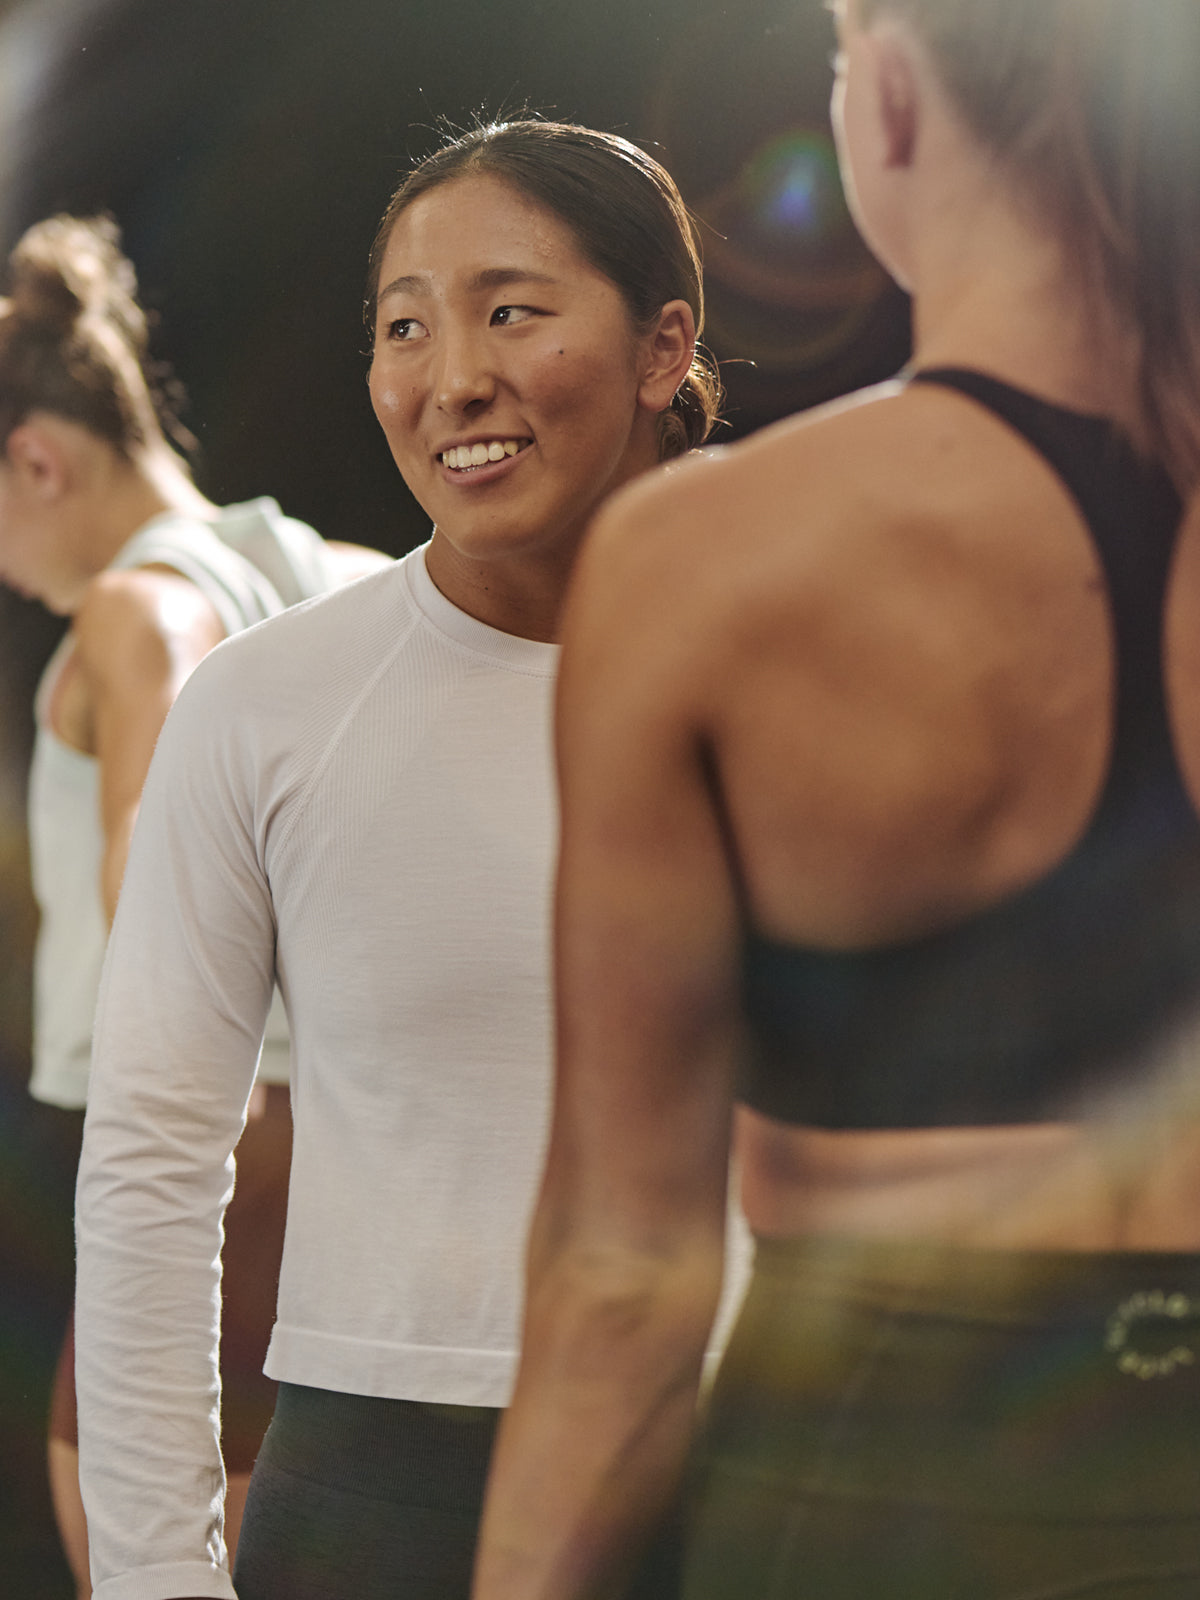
(1143, 1332)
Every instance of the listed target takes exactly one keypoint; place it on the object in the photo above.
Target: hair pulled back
(626, 214)
(73, 338)
(1092, 105)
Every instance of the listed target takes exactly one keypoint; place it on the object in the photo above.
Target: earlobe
(669, 350)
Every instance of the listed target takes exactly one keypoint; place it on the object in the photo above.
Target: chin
(510, 536)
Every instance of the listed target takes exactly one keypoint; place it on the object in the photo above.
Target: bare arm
(625, 1255)
(355, 560)
(853, 679)
(139, 635)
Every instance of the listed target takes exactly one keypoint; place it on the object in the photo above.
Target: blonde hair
(1091, 104)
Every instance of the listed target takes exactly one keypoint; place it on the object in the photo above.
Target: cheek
(394, 414)
(593, 382)
(842, 116)
(11, 541)
(385, 400)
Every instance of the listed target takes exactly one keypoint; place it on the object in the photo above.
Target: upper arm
(352, 561)
(190, 964)
(646, 918)
(139, 635)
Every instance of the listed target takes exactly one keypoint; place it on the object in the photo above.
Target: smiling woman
(375, 829)
(529, 297)
(499, 345)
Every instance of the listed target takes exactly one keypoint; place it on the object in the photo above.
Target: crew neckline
(529, 655)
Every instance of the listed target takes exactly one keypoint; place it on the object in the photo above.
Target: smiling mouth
(470, 457)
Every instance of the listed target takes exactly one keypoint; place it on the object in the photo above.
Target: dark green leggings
(357, 1498)
(900, 1422)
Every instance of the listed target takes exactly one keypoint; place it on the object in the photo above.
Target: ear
(37, 460)
(666, 355)
(898, 98)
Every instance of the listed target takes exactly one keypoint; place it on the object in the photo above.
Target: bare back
(898, 678)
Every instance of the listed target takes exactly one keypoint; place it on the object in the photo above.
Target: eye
(403, 330)
(507, 316)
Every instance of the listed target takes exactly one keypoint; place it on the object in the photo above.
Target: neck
(154, 482)
(167, 478)
(520, 586)
(519, 595)
(994, 289)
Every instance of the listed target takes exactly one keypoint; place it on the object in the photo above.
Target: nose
(466, 382)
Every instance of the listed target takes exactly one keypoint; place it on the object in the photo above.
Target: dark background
(247, 148)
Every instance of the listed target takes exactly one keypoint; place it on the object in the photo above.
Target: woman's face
(505, 372)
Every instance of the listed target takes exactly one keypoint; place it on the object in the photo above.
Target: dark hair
(73, 338)
(627, 217)
(1092, 105)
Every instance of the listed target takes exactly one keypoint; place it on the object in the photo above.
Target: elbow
(592, 1308)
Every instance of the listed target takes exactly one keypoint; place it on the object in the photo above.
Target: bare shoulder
(884, 619)
(845, 501)
(353, 561)
(146, 619)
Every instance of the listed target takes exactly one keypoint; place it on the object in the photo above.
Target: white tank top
(250, 562)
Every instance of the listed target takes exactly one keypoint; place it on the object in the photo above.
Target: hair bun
(68, 267)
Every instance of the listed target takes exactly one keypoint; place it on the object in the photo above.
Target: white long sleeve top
(357, 797)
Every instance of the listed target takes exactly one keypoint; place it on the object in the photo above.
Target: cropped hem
(58, 1086)
(438, 1373)
(275, 1062)
(198, 1578)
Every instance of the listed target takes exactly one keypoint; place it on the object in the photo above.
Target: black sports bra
(1015, 1013)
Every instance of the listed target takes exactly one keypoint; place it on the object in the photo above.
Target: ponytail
(689, 419)
(1091, 104)
(1131, 156)
(74, 339)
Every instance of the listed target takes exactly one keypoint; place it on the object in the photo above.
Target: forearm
(155, 1175)
(592, 1448)
(147, 1323)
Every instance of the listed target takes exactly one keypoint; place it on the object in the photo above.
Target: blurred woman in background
(892, 837)
(101, 521)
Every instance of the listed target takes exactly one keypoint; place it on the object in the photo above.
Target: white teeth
(461, 456)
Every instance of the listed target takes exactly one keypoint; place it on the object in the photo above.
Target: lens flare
(791, 189)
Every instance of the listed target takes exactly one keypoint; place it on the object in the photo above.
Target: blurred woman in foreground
(892, 838)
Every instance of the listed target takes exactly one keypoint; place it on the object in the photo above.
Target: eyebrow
(487, 278)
